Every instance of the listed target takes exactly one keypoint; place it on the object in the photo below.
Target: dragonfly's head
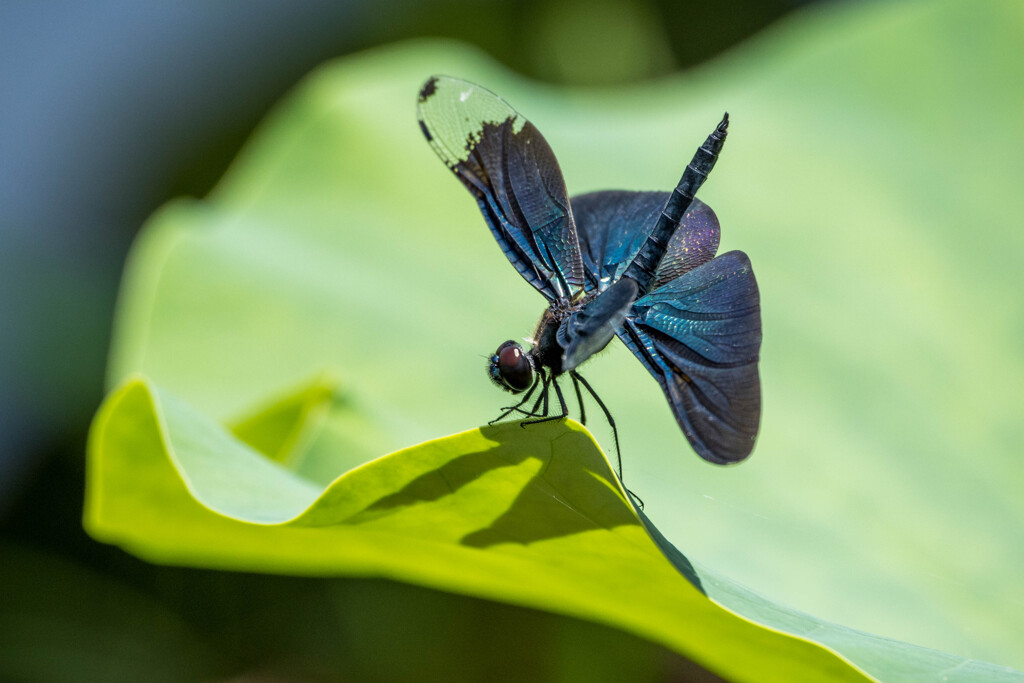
(511, 368)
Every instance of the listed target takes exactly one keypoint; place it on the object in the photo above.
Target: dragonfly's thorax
(546, 350)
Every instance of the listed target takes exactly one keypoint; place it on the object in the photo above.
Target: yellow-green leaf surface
(871, 174)
(532, 517)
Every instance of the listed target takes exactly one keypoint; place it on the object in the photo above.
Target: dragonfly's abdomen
(645, 264)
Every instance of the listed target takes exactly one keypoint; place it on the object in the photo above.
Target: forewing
(613, 225)
(591, 328)
(510, 170)
(700, 336)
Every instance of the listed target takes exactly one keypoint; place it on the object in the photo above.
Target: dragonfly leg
(561, 403)
(541, 398)
(517, 407)
(544, 410)
(608, 415)
(579, 397)
(615, 431)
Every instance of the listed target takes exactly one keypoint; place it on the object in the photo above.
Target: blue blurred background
(111, 108)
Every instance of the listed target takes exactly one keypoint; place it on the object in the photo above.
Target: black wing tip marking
(428, 89)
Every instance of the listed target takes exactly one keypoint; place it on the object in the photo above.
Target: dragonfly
(641, 266)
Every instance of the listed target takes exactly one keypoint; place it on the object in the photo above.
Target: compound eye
(515, 367)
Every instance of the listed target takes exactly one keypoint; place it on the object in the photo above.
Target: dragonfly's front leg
(517, 407)
(561, 402)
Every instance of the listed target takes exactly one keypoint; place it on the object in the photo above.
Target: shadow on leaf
(574, 491)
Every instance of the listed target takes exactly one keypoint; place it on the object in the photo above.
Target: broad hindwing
(510, 170)
(613, 225)
(700, 336)
(591, 328)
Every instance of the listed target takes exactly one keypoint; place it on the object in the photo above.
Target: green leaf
(532, 517)
(871, 175)
(284, 429)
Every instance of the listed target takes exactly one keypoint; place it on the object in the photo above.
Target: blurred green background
(117, 108)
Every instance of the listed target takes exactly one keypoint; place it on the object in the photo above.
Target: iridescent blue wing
(613, 225)
(699, 334)
(510, 170)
